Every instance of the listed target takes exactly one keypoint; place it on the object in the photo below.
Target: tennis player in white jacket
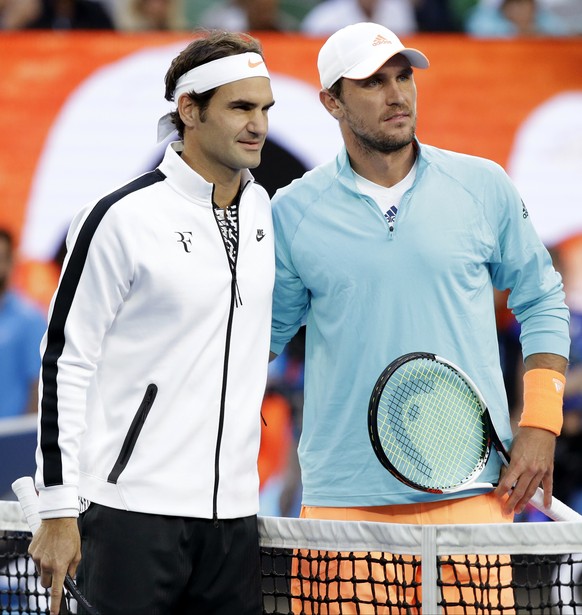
(154, 363)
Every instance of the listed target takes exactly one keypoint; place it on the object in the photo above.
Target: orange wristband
(543, 394)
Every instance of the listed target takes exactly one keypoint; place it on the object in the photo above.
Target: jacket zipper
(235, 301)
(222, 403)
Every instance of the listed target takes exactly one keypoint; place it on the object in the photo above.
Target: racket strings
(394, 433)
(430, 425)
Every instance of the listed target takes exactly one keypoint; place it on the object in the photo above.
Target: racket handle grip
(558, 511)
(26, 493)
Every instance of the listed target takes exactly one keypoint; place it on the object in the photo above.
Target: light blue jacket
(368, 295)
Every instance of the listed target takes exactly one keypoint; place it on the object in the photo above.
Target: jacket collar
(345, 173)
(184, 180)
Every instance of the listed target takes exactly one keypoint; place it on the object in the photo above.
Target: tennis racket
(25, 492)
(430, 427)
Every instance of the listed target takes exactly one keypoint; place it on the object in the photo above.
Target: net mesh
(517, 568)
(332, 567)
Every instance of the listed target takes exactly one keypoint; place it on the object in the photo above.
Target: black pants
(142, 564)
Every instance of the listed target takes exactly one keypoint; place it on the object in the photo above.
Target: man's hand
(56, 551)
(532, 464)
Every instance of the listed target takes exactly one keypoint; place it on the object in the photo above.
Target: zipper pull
(237, 298)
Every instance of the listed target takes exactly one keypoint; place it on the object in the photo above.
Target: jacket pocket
(133, 433)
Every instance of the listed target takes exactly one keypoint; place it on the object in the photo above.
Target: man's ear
(188, 110)
(331, 104)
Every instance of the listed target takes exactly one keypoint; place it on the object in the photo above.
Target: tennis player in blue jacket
(394, 247)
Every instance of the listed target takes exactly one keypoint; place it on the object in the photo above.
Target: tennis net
(332, 567)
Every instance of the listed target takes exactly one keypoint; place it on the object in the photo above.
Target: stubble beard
(385, 144)
(377, 142)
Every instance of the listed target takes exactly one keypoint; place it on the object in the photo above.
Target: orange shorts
(385, 584)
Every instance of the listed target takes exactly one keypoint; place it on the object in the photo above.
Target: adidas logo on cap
(380, 40)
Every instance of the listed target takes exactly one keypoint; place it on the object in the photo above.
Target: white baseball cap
(358, 50)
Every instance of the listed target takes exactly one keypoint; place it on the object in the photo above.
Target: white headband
(212, 75)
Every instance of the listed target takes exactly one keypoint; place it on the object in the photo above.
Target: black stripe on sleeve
(49, 426)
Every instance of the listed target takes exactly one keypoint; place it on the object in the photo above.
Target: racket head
(428, 423)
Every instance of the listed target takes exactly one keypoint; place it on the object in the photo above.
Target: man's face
(234, 125)
(520, 12)
(380, 111)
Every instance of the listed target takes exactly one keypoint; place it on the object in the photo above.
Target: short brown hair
(208, 45)
(336, 89)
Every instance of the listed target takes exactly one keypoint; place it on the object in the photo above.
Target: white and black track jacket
(155, 358)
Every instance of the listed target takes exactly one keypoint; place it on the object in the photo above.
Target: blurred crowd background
(313, 17)
(23, 315)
